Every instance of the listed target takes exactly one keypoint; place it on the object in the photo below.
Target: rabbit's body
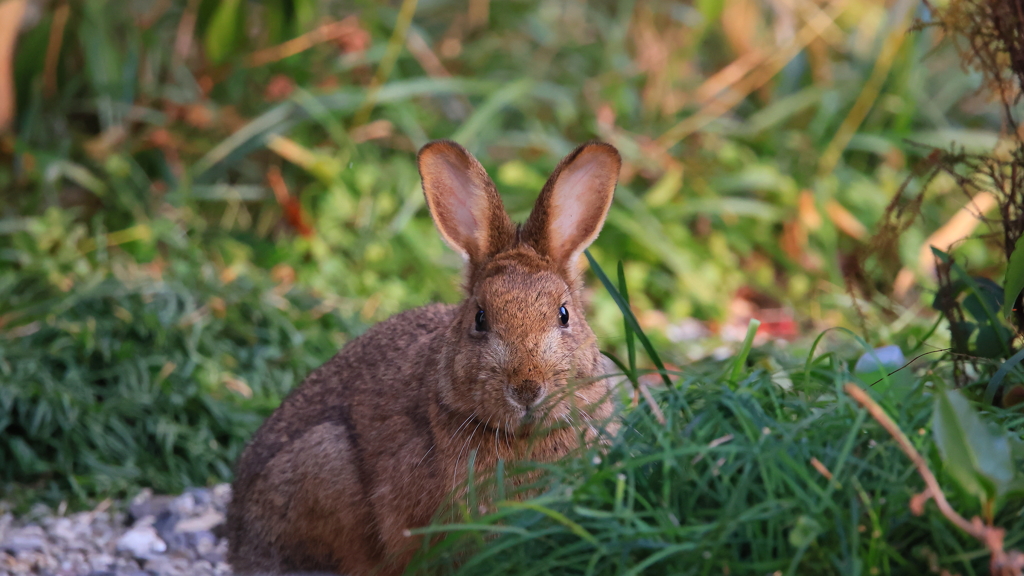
(374, 440)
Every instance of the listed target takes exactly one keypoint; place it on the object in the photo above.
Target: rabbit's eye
(481, 321)
(563, 315)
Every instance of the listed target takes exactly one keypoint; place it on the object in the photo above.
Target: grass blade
(748, 343)
(630, 344)
(629, 317)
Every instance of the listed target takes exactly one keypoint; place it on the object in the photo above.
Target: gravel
(152, 535)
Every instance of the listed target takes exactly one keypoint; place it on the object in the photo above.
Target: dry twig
(1003, 563)
(330, 32)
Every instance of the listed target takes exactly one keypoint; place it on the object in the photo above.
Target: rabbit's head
(520, 346)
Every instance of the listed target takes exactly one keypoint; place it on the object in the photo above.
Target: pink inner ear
(578, 204)
(464, 204)
(457, 196)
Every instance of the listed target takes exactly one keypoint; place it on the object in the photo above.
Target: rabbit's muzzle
(525, 393)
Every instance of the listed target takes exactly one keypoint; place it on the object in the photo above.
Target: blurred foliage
(206, 198)
(149, 374)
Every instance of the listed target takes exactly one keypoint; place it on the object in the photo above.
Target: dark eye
(481, 321)
(563, 315)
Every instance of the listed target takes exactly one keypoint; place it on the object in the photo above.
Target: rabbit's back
(308, 484)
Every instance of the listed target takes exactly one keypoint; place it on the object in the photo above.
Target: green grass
(145, 375)
(731, 489)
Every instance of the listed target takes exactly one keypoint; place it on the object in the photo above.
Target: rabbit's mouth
(526, 396)
(546, 407)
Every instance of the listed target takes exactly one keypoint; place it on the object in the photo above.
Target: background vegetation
(204, 199)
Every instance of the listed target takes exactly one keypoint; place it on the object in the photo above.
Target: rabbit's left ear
(572, 206)
(463, 201)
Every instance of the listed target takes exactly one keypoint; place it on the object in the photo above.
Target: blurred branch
(1003, 563)
(478, 13)
(957, 228)
(329, 32)
(186, 26)
(387, 63)
(902, 16)
(746, 84)
(421, 51)
(831, 33)
(11, 13)
(53, 45)
(293, 213)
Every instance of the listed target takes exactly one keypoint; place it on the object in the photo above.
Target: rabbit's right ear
(463, 201)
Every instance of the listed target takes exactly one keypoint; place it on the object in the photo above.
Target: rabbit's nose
(526, 393)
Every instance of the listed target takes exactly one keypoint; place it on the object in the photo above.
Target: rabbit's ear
(463, 201)
(572, 206)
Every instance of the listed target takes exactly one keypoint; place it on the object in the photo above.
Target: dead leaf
(293, 214)
(238, 386)
(218, 307)
(198, 116)
(283, 274)
(278, 88)
(845, 221)
(373, 131)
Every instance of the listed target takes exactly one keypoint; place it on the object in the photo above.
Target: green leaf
(805, 532)
(224, 30)
(989, 343)
(989, 295)
(1013, 285)
(980, 461)
(710, 9)
(997, 379)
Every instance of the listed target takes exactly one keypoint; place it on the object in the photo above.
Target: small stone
(38, 511)
(202, 497)
(29, 538)
(37, 560)
(164, 526)
(5, 523)
(167, 566)
(202, 567)
(184, 505)
(141, 542)
(203, 523)
(101, 562)
(221, 495)
(217, 556)
(879, 358)
(204, 544)
(145, 504)
(63, 529)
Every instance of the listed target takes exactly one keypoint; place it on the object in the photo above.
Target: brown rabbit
(375, 439)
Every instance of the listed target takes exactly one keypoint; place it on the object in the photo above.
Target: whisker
(469, 439)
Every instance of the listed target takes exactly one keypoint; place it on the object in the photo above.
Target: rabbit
(372, 442)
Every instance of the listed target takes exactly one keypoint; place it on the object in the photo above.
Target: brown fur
(375, 439)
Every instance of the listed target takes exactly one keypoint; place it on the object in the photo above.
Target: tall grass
(733, 490)
(776, 471)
